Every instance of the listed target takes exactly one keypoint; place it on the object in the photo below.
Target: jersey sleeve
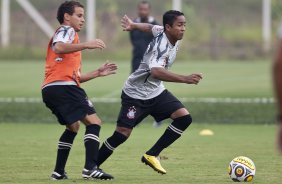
(64, 34)
(280, 31)
(156, 30)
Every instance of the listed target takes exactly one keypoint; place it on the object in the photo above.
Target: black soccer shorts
(69, 103)
(133, 111)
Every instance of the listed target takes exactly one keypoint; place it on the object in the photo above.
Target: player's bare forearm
(65, 48)
(144, 27)
(105, 70)
(277, 75)
(89, 76)
(164, 75)
(167, 76)
(278, 83)
(128, 25)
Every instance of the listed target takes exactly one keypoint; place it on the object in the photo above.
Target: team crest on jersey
(131, 112)
(165, 64)
(58, 59)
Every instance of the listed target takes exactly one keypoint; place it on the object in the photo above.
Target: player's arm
(128, 25)
(277, 76)
(65, 48)
(104, 70)
(165, 75)
(277, 71)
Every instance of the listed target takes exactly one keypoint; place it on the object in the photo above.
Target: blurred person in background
(277, 72)
(63, 95)
(140, 40)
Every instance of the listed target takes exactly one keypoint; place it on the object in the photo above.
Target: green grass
(28, 154)
(226, 113)
(221, 79)
(29, 149)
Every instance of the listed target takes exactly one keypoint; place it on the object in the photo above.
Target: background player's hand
(193, 79)
(126, 23)
(95, 44)
(107, 69)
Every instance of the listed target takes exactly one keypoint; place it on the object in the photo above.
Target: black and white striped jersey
(160, 53)
(64, 34)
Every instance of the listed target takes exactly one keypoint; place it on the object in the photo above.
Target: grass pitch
(28, 154)
(236, 79)
(28, 150)
(221, 79)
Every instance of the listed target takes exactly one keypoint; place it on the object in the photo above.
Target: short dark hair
(170, 16)
(145, 2)
(67, 7)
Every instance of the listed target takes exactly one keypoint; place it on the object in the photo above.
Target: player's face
(143, 11)
(77, 19)
(178, 28)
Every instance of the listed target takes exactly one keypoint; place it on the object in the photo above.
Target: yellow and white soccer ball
(242, 169)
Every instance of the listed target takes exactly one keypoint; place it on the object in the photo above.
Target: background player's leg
(181, 120)
(64, 147)
(119, 136)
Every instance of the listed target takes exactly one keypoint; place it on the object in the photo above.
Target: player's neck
(66, 23)
(170, 39)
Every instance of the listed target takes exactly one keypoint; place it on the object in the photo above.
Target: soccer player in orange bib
(62, 94)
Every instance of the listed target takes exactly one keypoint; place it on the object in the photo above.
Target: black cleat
(57, 176)
(96, 173)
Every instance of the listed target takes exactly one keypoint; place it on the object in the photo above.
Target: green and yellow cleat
(153, 162)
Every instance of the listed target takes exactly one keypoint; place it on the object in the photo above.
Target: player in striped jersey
(144, 93)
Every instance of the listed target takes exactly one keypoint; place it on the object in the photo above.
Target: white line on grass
(116, 100)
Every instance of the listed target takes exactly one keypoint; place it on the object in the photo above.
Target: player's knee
(123, 130)
(73, 127)
(92, 119)
(183, 122)
(96, 122)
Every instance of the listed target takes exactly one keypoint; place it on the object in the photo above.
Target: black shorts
(68, 103)
(133, 111)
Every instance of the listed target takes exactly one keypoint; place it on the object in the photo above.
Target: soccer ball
(242, 169)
